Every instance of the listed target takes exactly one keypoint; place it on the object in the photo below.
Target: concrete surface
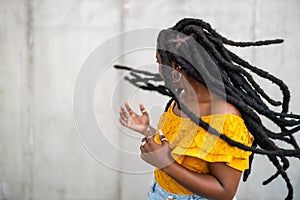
(44, 45)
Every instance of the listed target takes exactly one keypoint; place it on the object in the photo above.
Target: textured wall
(44, 45)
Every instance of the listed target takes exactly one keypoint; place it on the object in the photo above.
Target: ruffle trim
(186, 138)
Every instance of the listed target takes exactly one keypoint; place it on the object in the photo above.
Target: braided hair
(199, 50)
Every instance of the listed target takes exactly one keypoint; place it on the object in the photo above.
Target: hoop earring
(176, 76)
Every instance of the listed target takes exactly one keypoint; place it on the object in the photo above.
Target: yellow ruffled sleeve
(194, 141)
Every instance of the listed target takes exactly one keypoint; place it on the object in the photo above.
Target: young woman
(211, 127)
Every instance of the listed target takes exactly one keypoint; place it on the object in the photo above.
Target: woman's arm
(221, 182)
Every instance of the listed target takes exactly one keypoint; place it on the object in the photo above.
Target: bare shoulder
(230, 109)
(226, 108)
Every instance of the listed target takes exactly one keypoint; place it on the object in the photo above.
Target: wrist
(148, 131)
(170, 167)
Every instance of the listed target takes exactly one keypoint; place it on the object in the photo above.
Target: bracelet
(148, 131)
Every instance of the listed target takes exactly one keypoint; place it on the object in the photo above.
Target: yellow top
(193, 147)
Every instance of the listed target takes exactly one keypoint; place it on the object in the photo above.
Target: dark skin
(222, 181)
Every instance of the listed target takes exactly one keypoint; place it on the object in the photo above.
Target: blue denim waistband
(158, 193)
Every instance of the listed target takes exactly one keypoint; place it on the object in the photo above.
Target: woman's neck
(200, 100)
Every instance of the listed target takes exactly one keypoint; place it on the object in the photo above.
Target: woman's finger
(124, 123)
(142, 147)
(162, 137)
(126, 114)
(144, 140)
(143, 110)
(149, 138)
(123, 113)
(128, 108)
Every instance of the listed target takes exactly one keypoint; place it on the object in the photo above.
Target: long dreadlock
(226, 74)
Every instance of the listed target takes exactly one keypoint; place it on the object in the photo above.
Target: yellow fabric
(193, 147)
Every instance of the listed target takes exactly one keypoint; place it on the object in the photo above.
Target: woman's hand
(132, 120)
(156, 154)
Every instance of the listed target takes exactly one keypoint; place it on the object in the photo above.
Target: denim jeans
(158, 193)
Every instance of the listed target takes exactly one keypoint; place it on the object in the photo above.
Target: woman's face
(174, 66)
(158, 60)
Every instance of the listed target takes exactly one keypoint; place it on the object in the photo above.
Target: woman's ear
(176, 66)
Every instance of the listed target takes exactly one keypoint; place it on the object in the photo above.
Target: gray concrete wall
(45, 154)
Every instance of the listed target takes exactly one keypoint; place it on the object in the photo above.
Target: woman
(211, 128)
